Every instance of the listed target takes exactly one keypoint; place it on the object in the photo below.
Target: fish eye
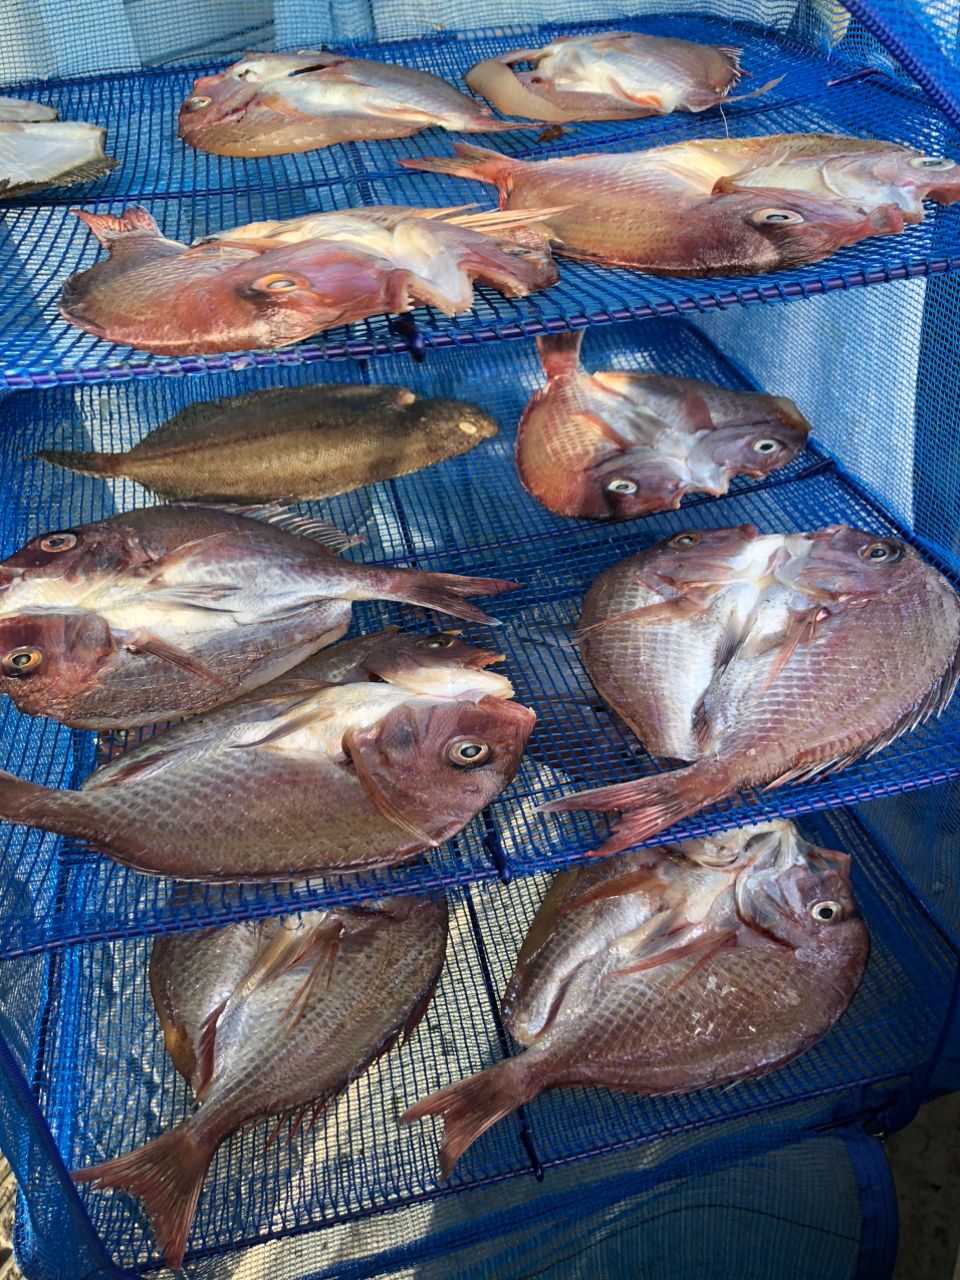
(684, 540)
(776, 217)
(468, 753)
(58, 542)
(20, 662)
(882, 552)
(277, 283)
(467, 427)
(931, 162)
(441, 641)
(826, 912)
(765, 446)
(198, 102)
(622, 486)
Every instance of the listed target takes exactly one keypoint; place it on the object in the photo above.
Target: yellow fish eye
(469, 753)
(276, 282)
(198, 102)
(20, 662)
(55, 542)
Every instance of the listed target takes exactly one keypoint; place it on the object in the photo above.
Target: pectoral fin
(146, 642)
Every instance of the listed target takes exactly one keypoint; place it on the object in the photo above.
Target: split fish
(278, 103)
(764, 659)
(168, 611)
(614, 446)
(616, 75)
(674, 969)
(41, 153)
(21, 110)
(269, 284)
(660, 210)
(294, 1010)
(292, 443)
(363, 756)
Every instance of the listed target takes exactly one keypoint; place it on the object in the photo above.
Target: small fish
(670, 970)
(298, 1008)
(292, 443)
(278, 103)
(269, 284)
(168, 611)
(305, 775)
(660, 210)
(762, 659)
(59, 153)
(22, 110)
(614, 446)
(617, 75)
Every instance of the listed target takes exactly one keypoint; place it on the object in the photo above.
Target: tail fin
(108, 228)
(472, 1106)
(650, 805)
(88, 464)
(469, 161)
(33, 805)
(167, 1174)
(445, 592)
(560, 353)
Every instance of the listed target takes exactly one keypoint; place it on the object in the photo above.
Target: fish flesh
(291, 443)
(799, 654)
(616, 75)
(717, 207)
(305, 775)
(58, 153)
(674, 969)
(22, 110)
(310, 1003)
(614, 446)
(167, 611)
(277, 103)
(269, 284)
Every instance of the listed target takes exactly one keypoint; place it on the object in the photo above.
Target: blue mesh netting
(103, 1083)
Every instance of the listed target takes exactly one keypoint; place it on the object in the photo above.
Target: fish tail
(470, 161)
(109, 228)
(650, 805)
(88, 464)
(560, 353)
(167, 1175)
(472, 1106)
(35, 806)
(445, 592)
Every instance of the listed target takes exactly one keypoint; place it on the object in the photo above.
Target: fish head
(753, 448)
(431, 766)
(707, 557)
(841, 561)
(440, 665)
(69, 556)
(768, 229)
(895, 174)
(47, 658)
(621, 487)
(458, 420)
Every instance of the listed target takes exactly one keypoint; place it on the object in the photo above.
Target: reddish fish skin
(173, 610)
(615, 446)
(236, 294)
(279, 104)
(623, 210)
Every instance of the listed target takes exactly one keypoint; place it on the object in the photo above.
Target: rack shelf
(105, 1085)
(193, 194)
(471, 516)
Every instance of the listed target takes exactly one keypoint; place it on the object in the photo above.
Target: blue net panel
(103, 1083)
(470, 516)
(192, 194)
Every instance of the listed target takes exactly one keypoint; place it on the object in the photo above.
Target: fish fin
(677, 945)
(167, 1175)
(696, 102)
(478, 163)
(291, 725)
(197, 596)
(285, 950)
(30, 804)
(650, 99)
(493, 221)
(89, 171)
(632, 882)
(354, 743)
(695, 411)
(142, 641)
(802, 630)
(416, 1014)
(445, 592)
(206, 1046)
(320, 531)
(136, 765)
(108, 228)
(650, 805)
(682, 608)
(284, 108)
(87, 464)
(560, 353)
(722, 941)
(470, 1107)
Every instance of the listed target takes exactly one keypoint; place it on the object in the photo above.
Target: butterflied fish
(22, 109)
(661, 211)
(671, 970)
(305, 776)
(321, 998)
(292, 443)
(763, 659)
(171, 610)
(60, 153)
(616, 75)
(273, 104)
(272, 283)
(613, 446)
